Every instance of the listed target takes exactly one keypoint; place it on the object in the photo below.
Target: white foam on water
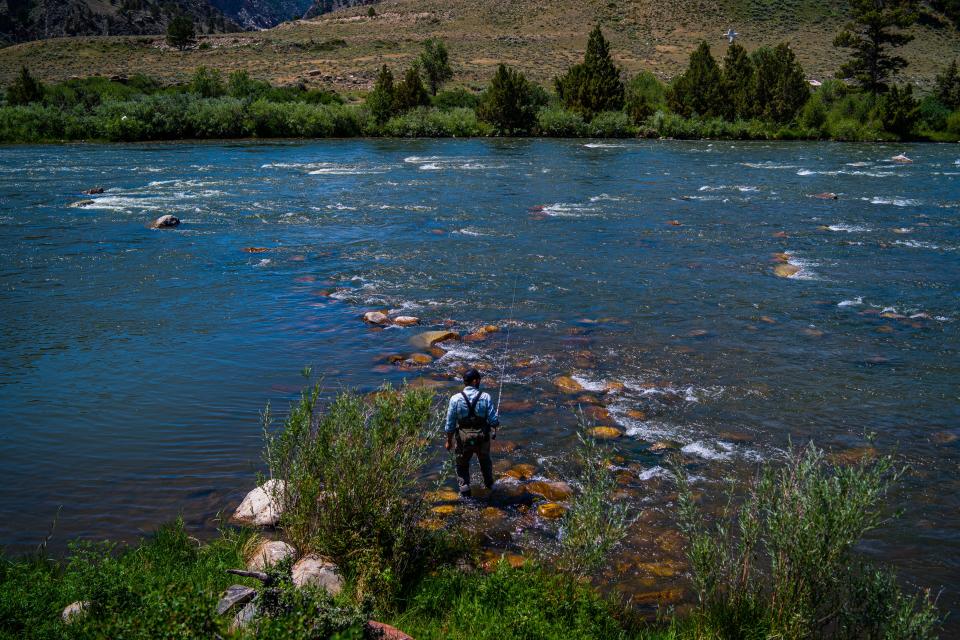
(805, 267)
(849, 228)
(421, 159)
(567, 210)
(845, 172)
(604, 145)
(654, 473)
(469, 232)
(590, 384)
(768, 165)
(604, 196)
(430, 166)
(851, 303)
(897, 202)
(338, 206)
(264, 262)
(718, 450)
(919, 244)
(736, 187)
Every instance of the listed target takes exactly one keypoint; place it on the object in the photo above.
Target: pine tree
(25, 89)
(739, 83)
(180, 32)
(781, 88)
(699, 89)
(593, 85)
(870, 38)
(898, 110)
(948, 87)
(410, 92)
(380, 101)
(508, 103)
(435, 62)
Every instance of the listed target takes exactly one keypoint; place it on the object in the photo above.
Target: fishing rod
(506, 347)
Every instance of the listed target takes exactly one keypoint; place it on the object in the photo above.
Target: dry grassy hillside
(344, 49)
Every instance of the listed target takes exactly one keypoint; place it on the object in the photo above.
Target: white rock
(406, 321)
(262, 506)
(375, 317)
(74, 610)
(166, 222)
(269, 553)
(315, 571)
(902, 158)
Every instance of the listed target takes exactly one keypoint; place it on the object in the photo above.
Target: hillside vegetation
(343, 50)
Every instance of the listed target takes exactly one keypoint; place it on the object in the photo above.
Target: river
(134, 362)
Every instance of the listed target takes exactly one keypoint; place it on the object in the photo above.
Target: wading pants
(464, 453)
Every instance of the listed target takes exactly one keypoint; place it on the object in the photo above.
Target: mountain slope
(321, 7)
(262, 14)
(344, 49)
(33, 19)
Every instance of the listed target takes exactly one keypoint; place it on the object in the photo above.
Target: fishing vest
(472, 428)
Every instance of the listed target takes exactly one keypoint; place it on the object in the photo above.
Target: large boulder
(406, 321)
(315, 571)
(430, 338)
(269, 553)
(786, 270)
(262, 506)
(375, 317)
(166, 222)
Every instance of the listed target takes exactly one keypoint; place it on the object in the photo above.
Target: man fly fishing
(471, 420)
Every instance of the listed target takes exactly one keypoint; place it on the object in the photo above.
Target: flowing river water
(134, 362)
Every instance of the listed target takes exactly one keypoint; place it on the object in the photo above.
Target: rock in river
(315, 571)
(605, 433)
(165, 222)
(430, 338)
(786, 270)
(262, 506)
(268, 554)
(82, 203)
(93, 191)
(375, 317)
(406, 321)
(551, 510)
(567, 384)
(555, 491)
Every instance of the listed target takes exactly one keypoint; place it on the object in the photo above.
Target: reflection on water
(133, 362)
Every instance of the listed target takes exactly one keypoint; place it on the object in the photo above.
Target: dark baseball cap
(472, 375)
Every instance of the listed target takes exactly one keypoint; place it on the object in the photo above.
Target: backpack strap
(471, 404)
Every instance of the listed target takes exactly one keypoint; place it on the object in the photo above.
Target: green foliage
(458, 98)
(557, 122)
(898, 111)
(166, 587)
(180, 32)
(953, 123)
(595, 525)
(350, 473)
(24, 90)
(644, 96)
(508, 104)
(784, 564)
(240, 85)
(780, 89)
(410, 93)
(593, 85)
(432, 123)
(207, 83)
(435, 62)
(698, 90)
(523, 604)
(948, 86)
(932, 114)
(611, 124)
(869, 37)
(739, 83)
(380, 101)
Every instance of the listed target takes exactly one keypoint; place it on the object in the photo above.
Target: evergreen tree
(508, 103)
(180, 32)
(869, 37)
(410, 92)
(435, 62)
(699, 89)
(643, 97)
(739, 83)
(381, 100)
(25, 89)
(781, 88)
(898, 110)
(593, 85)
(948, 87)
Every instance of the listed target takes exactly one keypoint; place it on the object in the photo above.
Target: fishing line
(506, 347)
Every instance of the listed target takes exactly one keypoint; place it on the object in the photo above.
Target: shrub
(410, 93)
(814, 113)
(241, 85)
(181, 33)
(216, 118)
(611, 124)
(644, 96)
(594, 85)
(207, 83)
(24, 90)
(435, 62)
(557, 122)
(953, 123)
(933, 114)
(897, 110)
(381, 100)
(456, 99)
(350, 473)
(699, 89)
(780, 89)
(783, 564)
(508, 104)
(948, 86)
(433, 123)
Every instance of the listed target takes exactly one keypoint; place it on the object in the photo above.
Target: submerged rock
(567, 384)
(444, 510)
(521, 471)
(442, 495)
(166, 222)
(406, 321)
(551, 510)
(901, 158)
(262, 250)
(234, 596)
(662, 446)
(261, 507)
(827, 195)
(269, 553)
(419, 359)
(93, 191)
(82, 203)
(786, 270)
(74, 610)
(554, 491)
(314, 571)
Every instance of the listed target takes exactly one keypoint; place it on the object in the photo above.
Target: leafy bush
(24, 90)
(953, 123)
(381, 100)
(455, 99)
(410, 93)
(784, 564)
(611, 124)
(207, 83)
(897, 110)
(433, 123)
(645, 95)
(350, 473)
(557, 122)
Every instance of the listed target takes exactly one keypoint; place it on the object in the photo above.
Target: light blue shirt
(458, 409)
